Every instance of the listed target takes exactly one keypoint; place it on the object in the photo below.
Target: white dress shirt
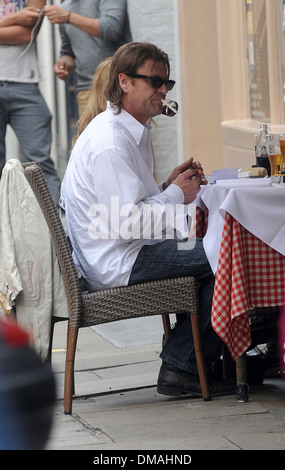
(112, 201)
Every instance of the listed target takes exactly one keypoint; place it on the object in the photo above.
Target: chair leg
(54, 320)
(69, 370)
(48, 360)
(199, 357)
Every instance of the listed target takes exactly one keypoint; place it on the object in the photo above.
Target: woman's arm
(16, 28)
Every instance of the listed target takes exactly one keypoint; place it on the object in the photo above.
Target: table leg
(241, 375)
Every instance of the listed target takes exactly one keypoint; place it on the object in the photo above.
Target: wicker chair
(88, 309)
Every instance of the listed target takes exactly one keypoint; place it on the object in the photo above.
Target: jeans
(24, 108)
(165, 260)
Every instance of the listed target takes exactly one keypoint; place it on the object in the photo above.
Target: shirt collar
(135, 128)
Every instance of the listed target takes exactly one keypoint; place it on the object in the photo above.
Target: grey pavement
(117, 407)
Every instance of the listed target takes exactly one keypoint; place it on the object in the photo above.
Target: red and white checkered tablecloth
(199, 223)
(250, 274)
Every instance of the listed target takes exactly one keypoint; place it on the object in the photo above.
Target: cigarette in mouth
(169, 106)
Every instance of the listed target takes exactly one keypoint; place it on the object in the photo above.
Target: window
(266, 63)
(258, 60)
(281, 62)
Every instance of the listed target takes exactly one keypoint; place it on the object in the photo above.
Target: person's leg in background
(30, 119)
(83, 97)
(3, 124)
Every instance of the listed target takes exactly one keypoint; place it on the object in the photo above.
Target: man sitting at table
(111, 194)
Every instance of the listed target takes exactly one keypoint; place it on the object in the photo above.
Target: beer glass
(274, 154)
(282, 148)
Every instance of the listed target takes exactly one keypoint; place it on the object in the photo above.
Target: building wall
(200, 85)
(156, 22)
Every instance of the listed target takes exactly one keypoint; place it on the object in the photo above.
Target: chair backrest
(37, 181)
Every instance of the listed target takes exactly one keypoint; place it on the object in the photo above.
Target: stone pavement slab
(117, 406)
(143, 420)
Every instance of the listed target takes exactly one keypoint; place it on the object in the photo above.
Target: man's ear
(124, 82)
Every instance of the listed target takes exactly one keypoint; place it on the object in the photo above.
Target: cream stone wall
(200, 85)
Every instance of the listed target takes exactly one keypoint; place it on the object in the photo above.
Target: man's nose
(163, 89)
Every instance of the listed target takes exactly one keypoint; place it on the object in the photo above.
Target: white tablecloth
(255, 204)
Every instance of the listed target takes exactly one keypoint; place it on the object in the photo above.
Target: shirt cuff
(174, 193)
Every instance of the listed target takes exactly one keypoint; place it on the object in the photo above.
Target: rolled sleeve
(65, 48)
(112, 20)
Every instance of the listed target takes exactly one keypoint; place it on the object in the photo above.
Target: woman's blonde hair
(97, 101)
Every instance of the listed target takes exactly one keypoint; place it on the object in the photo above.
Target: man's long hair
(128, 59)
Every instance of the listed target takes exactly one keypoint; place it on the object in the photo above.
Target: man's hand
(28, 16)
(189, 164)
(190, 187)
(56, 14)
(188, 176)
(63, 66)
(197, 167)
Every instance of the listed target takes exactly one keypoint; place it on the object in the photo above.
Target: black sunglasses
(156, 82)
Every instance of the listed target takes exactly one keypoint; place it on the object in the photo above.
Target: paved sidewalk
(117, 406)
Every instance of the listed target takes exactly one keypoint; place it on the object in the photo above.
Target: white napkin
(245, 182)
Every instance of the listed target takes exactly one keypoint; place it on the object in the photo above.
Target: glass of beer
(274, 154)
(282, 148)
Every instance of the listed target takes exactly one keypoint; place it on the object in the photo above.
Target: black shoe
(177, 382)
